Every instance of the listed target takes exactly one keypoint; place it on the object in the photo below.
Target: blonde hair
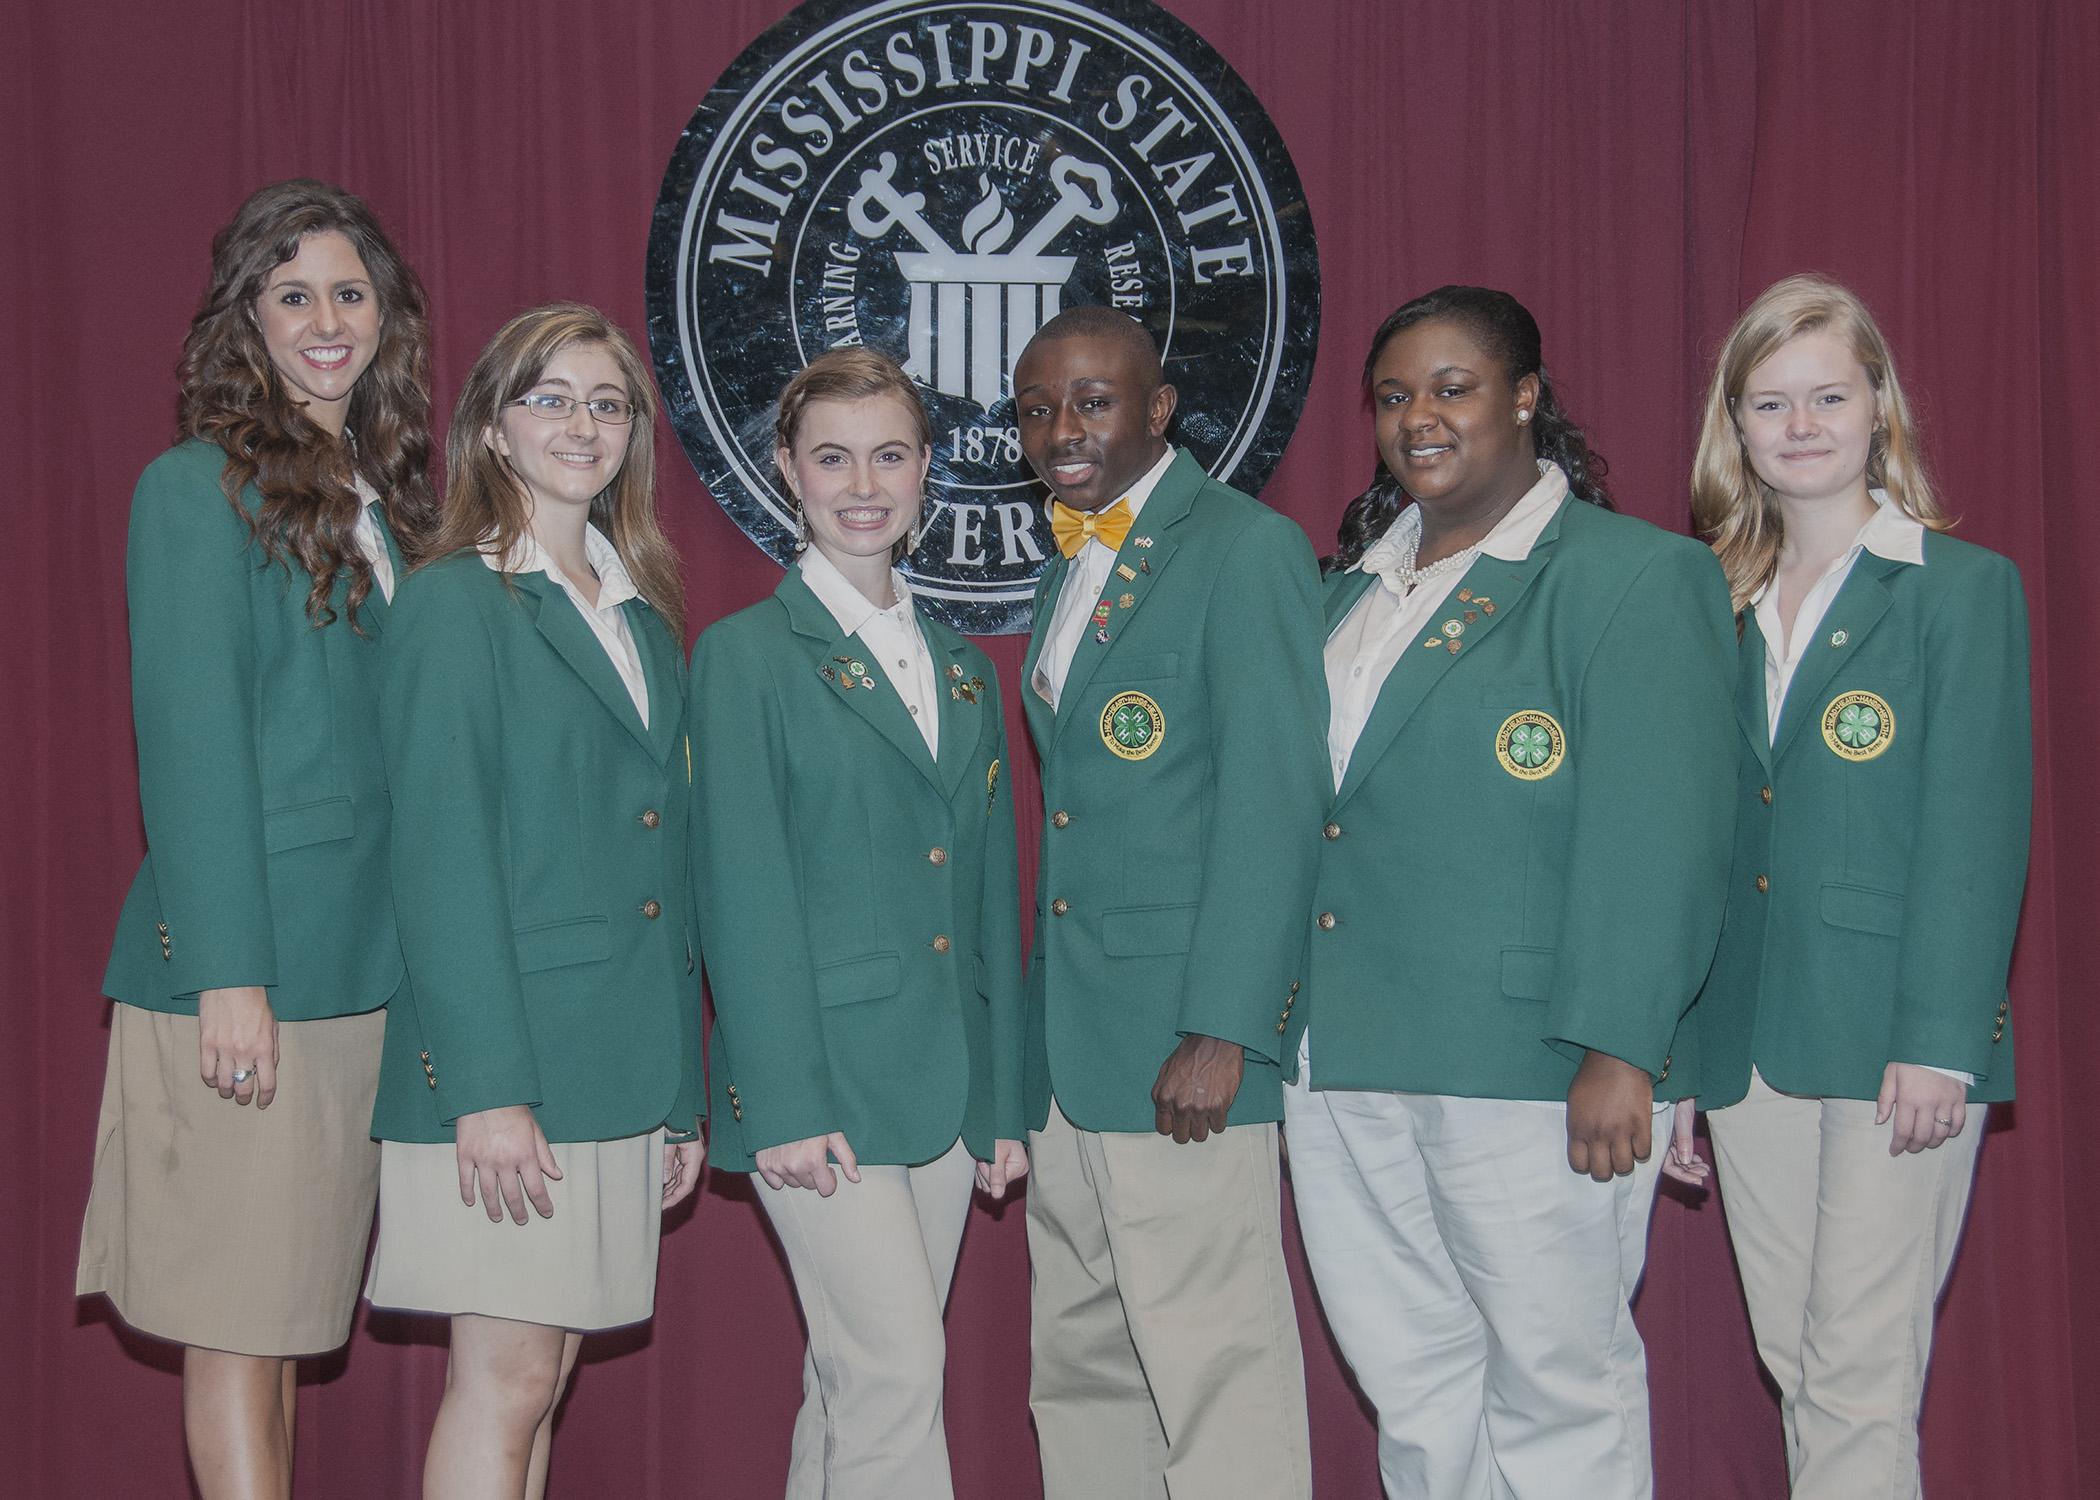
(851, 375)
(485, 501)
(1734, 509)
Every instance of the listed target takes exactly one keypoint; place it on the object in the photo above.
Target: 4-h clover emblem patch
(1530, 745)
(1858, 725)
(1132, 726)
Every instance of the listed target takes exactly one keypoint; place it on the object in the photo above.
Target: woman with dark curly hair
(257, 947)
(1520, 889)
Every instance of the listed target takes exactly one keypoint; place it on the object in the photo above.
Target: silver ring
(242, 1075)
(1935, 1119)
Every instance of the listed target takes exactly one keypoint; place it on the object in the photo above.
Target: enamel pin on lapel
(991, 786)
(1126, 572)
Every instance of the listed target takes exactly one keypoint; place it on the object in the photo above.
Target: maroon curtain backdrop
(1634, 171)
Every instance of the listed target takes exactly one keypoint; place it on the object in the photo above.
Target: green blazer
(1874, 898)
(857, 900)
(539, 865)
(1183, 776)
(259, 768)
(1477, 930)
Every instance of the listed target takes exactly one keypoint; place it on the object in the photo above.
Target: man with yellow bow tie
(1178, 704)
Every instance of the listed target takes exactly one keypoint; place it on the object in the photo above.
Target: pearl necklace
(1405, 576)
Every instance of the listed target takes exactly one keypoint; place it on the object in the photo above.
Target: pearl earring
(1523, 416)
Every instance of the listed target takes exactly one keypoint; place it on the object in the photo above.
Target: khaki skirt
(223, 1226)
(591, 1266)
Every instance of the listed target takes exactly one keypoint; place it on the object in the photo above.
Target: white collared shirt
(1384, 622)
(607, 620)
(891, 636)
(369, 539)
(1084, 577)
(1888, 533)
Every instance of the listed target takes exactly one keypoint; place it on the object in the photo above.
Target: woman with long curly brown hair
(256, 950)
(546, 1049)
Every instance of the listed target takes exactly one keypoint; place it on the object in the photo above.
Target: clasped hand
(237, 1033)
(1196, 1086)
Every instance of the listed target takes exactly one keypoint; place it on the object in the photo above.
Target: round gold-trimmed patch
(1858, 725)
(1132, 726)
(1531, 744)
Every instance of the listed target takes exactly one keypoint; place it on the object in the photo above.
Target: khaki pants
(1166, 1355)
(872, 1265)
(1843, 1251)
(1479, 1289)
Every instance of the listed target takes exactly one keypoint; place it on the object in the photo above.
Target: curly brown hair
(486, 506)
(232, 395)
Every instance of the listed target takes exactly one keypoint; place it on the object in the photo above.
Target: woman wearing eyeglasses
(256, 949)
(547, 1066)
(856, 884)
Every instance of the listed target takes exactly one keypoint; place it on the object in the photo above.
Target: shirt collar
(615, 584)
(1511, 540)
(1888, 534)
(849, 607)
(1147, 482)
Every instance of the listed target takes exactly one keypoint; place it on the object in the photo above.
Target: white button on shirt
(1084, 577)
(370, 541)
(1888, 533)
(1384, 621)
(892, 637)
(607, 620)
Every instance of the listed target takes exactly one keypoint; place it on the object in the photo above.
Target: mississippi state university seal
(935, 179)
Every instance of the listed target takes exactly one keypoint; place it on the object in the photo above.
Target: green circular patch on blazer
(1132, 726)
(1858, 725)
(1530, 745)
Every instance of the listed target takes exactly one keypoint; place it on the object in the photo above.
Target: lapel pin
(1452, 647)
(1465, 596)
(1433, 642)
(955, 670)
(1144, 565)
(1101, 636)
(1472, 615)
(1126, 601)
(1453, 629)
(1839, 637)
(867, 682)
(1125, 572)
(1141, 541)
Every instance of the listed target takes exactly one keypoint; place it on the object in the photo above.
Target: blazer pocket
(857, 979)
(1863, 909)
(1138, 668)
(555, 945)
(1147, 931)
(1527, 973)
(307, 823)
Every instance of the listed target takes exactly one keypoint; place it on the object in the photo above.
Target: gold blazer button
(652, 818)
(941, 942)
(1763, 884)
(652, 909)
(1060, 818)
(1326, 919)
(937, 855)
(1331, 831)
(1766, 793)
(1059, 907)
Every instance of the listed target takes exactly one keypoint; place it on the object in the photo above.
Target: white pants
(1479, 1289)
(872, 1265)
(1843, 1250)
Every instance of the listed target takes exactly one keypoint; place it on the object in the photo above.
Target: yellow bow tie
(1075, 528)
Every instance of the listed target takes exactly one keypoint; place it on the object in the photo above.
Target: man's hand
(1196, 1087)
(1611, 1117)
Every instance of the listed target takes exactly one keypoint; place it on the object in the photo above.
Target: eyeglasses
(552, 408)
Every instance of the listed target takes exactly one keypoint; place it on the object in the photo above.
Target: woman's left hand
(1929, 1108)
(1009, 1164)
(1682, 1162)
(682, 1163)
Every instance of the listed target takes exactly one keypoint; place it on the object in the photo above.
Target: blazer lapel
(962, 720)
(1750, 708)
(834, 659)
(1136, 573)
(570, 635)
(1038, 712)
(661, 670)
(1859, 605)
(1484, 598)
(1340, 596)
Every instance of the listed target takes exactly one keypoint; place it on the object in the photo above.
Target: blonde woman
(856, 883)
(1855, 1024)
(544, 1059)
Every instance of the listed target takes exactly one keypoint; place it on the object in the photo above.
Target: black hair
(1505, 329)
(1088, 320)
